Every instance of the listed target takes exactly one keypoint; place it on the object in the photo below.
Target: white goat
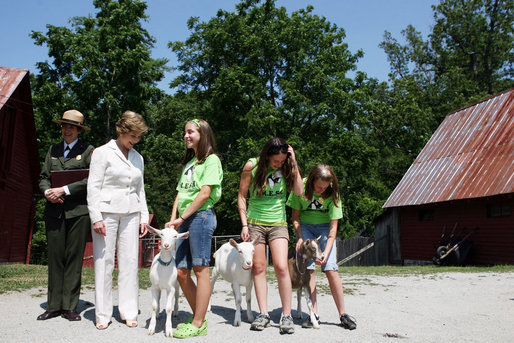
(234, 263)
(163, 275)
(300, 276)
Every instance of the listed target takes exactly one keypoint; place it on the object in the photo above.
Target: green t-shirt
(268, 209)
(317, 210)
(194, 176)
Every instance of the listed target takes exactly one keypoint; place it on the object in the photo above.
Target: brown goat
(300, 276)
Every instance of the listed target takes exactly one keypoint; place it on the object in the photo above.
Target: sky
(364, 22)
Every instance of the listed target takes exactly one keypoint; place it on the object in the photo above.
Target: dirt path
(449, 307)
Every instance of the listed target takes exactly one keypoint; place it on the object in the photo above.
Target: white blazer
(115, 184)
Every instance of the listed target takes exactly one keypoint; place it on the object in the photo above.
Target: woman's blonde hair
(130, 121)
(323, 172)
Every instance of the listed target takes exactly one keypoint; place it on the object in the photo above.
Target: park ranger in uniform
(66, 216)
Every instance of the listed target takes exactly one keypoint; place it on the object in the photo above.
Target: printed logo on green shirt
(274, 178)
(188, 172)
(315, 205)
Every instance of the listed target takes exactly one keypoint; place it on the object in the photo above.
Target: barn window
(498, 210)
(426, 214)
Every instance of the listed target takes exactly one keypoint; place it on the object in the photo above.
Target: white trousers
(122, 237)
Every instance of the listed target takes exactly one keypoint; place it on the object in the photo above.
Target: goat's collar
(164, 263)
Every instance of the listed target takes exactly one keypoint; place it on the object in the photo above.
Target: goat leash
(296, 262)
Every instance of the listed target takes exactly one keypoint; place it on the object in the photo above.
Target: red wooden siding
(19, 162)
(493, 242)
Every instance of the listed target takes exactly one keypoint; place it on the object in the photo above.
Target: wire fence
(150, 247)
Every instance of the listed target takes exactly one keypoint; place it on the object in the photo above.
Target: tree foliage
(101, 66)
(467, 57)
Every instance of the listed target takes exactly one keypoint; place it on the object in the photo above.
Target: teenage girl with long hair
(268, 178)
(199, 188)
(315, 214)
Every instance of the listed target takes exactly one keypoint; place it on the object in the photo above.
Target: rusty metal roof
(470, 155)
(10, 78)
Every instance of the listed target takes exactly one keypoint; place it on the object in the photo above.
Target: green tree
(101, 66)
(264, 70)
(468, 56)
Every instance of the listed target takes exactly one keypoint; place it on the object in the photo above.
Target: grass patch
(20, 277)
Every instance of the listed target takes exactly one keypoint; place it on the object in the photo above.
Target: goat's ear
(154, 230)
(254, 242)
(318, 238)
(183, 235)
(233, 243)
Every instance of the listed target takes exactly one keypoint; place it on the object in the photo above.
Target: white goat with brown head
(310, 249)
(163, 275)
(234, 263)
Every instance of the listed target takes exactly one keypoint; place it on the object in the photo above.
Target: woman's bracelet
(245, 225)
(182, 218)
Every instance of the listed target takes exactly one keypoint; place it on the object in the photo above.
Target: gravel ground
(450, 307)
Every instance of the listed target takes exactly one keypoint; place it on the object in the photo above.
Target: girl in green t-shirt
(315, 214)
(268, 178)
(199, 188)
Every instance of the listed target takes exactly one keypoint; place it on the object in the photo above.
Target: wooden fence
(345, 248)
(350, 246)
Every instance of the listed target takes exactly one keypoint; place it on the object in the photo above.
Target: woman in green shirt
(199, 188)
(315, 214)
(269, 178)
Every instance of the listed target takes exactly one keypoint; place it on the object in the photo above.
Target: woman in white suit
(117, 207)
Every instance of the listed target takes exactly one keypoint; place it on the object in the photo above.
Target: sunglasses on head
(275, 149)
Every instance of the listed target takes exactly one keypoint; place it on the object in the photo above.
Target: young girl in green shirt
(268, 178)
(315, 214)
(199, 188)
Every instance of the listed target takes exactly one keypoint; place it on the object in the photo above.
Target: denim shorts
(313, 231)
(196, 250)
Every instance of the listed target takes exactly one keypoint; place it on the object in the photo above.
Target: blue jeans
(196, 250)
(313, 231)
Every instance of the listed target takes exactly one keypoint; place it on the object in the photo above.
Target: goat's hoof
(151, 332)
(169, 334)
(237, 323)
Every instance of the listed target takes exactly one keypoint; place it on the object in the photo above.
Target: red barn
(463, 178)
(19, 165)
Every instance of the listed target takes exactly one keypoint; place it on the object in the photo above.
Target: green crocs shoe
(188, 321)
(189, 330)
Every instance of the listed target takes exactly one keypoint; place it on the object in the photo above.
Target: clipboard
(61, 178)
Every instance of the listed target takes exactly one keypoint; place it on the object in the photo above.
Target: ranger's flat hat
(72, 117)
